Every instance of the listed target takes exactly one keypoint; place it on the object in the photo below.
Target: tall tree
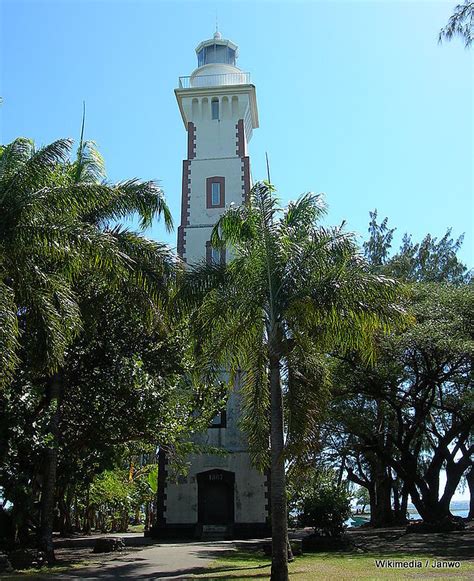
(387, 399)
(423, 381)
(290, 284)
(58, 224)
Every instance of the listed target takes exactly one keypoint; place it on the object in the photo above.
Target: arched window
(215, 109)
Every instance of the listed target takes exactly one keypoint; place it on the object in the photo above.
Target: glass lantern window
(201, 58)
(216, 53)
(230, 56)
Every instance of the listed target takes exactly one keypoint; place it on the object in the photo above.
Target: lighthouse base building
(222, 495)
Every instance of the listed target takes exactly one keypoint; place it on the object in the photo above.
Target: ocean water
(458, 508)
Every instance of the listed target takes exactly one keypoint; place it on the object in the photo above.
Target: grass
(135, 529)
(247, 565)
(340, 567)
(47, 570)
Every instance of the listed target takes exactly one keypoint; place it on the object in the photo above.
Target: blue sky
(356, 99)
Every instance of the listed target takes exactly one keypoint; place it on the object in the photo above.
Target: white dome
(217, 74)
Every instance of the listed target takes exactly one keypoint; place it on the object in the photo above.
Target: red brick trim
(185, 193)
(240, 135)
(161, 492)
(185, 207)
(191, 140)
(209, 182)
(268, 495)
(245, 178)
(181, 241)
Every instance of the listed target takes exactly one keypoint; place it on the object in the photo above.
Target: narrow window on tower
(215, 192)
(214, 255)
(220, 421)
(215, 108)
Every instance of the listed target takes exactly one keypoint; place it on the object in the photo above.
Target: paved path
(161, 561)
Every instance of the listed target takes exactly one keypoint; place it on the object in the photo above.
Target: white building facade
(222, 495)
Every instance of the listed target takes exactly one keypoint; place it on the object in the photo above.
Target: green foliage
(395, 424)
(118, 495)
(377, 247)
(461, 23)
(111, 488)
(54, 227)
(292, 288)
(320, 502)
(430, 260)
(414, 409)
(293, 292)
(84, 298)
(362, 497)
(152, 479)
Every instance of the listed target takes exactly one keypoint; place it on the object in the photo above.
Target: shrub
(321, 503)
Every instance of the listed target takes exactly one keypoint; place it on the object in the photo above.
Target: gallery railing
(214, 80)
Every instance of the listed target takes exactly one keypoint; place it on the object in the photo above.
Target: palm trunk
(278, 481)
(48, 489)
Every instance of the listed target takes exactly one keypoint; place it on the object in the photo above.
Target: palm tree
(55, 221)
(58, 224)
(292, 292)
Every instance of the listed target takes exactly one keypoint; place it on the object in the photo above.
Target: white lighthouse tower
(222, 494)
(219, 110)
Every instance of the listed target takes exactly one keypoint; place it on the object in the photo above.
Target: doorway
(216, 497)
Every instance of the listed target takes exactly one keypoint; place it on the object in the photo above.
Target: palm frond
(305, 212)
(255, 398)
(236, 225)
(52, 317)
(263, 199)
(306, 399)
(8, 333)
(150, 272)
(89, 166)
(309, 283)
(13, 157)
(120, 200)
(37, 169)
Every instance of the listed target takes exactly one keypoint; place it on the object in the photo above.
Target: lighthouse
(218, 106)
(222, 495)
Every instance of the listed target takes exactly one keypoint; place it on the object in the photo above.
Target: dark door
(216, 497)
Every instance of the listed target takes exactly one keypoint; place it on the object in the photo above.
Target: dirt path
(163, 561)
(145, 560)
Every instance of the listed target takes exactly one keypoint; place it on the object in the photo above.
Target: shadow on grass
(457, 545)
(239, 560)
(132, 571)
(131, 566)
